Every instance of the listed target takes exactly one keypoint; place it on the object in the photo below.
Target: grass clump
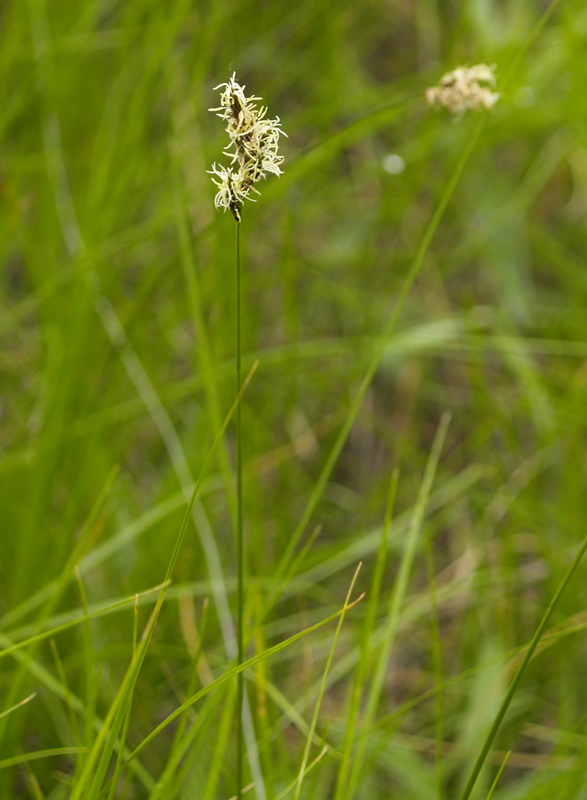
(406, 270)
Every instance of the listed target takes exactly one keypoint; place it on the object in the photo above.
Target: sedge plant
(253, 153)
(235, 184)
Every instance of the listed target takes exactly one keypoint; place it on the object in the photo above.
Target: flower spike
(253, 148)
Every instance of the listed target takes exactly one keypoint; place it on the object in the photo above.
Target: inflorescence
(253, 148)
(465, 88)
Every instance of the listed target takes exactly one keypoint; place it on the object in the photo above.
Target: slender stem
(239, 530)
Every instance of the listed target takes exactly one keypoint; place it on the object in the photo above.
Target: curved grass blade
(368, 627)
(323, 687)
(234, 670)
(498, 776)
(24, 757)
(26, 700)
(397, 598)
(520, 672)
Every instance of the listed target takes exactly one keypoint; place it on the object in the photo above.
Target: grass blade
(397, 597)
(108, 732)
(323, 687)
(520, 672)
(233, 671)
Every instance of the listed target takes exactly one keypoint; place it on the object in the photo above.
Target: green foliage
(405, 269)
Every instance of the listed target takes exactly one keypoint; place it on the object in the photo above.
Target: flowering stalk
(254, 142)
(239, 528)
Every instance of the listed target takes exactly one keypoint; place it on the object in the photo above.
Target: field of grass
(414, 289)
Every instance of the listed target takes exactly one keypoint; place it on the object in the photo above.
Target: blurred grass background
(117, 343)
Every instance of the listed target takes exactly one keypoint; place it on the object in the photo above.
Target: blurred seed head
(464, 89)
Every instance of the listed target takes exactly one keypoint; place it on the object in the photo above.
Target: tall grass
(379, 306)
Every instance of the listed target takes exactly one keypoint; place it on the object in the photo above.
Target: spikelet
(253, 148)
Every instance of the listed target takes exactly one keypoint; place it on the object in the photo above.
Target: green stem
(239, 530)
(408, 282)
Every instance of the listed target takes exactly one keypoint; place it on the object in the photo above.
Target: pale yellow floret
(253, 148)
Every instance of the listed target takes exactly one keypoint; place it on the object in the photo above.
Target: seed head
(465, 88)
(254, 142)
